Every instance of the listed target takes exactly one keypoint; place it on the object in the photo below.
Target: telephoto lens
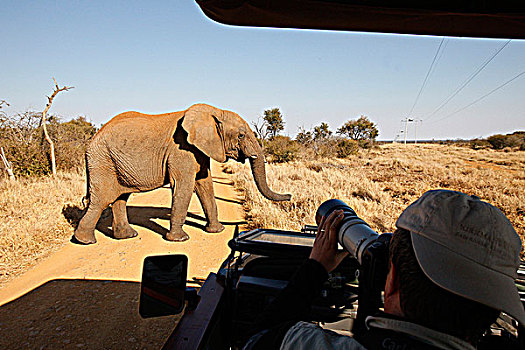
(353, 233)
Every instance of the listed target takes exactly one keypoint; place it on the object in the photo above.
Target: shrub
(346, 148)
(366, 144)
(71, 139)
(497, 141)
(29, 160)
(23, 141)
(281, 149)
(324, 148)
(479, 144)
(516, 139)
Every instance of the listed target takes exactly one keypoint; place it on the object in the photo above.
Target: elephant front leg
(204, 189)
(179, 208)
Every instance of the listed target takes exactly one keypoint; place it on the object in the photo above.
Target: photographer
(453, 261)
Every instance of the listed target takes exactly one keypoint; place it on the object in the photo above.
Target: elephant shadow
(228, 200)
(137, 215)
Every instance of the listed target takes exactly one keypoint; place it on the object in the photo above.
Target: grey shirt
(304, 335)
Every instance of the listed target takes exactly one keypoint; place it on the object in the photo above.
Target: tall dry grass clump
(381, 182)
(31, 221)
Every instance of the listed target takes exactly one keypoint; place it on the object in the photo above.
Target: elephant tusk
(253, 157)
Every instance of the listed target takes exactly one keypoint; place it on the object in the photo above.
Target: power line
(469, 79)
(445, 44)
(482, 97)
(426, 77)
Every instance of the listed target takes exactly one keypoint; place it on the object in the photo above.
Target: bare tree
(44, 119)
(3, 115)
(21, 127)
(269, 124)
(261, 129)
(7, 165)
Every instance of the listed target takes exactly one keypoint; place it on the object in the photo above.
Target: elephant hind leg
(85, 232)
(121, 227)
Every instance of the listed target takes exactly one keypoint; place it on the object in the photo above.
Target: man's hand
(325, 246)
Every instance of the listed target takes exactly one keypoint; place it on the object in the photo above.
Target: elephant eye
(241, 136)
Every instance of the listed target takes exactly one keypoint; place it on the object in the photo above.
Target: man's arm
(293, 304)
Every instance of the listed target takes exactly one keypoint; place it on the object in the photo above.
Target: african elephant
(137, 152)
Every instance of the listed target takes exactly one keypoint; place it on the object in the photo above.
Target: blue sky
(164, 56)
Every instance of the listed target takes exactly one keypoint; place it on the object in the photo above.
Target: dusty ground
(86, 297)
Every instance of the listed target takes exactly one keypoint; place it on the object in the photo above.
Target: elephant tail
(85, 199)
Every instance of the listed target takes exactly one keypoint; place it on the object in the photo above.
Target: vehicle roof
(464, 18)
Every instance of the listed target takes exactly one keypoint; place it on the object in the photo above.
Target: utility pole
(415, 131)
(406, 121)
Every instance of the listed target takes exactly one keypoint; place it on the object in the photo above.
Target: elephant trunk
(259, 175)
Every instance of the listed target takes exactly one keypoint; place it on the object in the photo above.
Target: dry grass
(381, 182)
(378, 184)
(31, 221)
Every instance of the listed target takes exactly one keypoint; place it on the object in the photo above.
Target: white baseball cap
(466, 246)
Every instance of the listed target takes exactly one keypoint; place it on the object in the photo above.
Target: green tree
(359, 129)
(274, 121)
(304, 137)
(322, 132)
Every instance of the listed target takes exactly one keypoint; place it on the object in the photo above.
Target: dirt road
(86, 297)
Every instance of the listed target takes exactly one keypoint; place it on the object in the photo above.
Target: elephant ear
(205, 131)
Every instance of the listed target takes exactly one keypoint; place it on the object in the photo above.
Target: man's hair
(425, 303)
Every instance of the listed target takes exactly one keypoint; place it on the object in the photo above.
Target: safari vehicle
(262, 260)
(260, 264)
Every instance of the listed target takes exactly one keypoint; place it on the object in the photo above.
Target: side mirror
(163, 285)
